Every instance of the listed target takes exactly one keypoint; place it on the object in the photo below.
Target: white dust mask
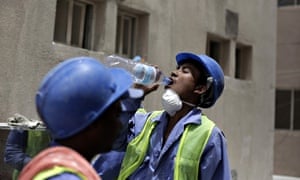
(171, 102)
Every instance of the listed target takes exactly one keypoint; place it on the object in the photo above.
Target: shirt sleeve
(214, 162)
(129, 108)
(108, 165)
(15, 149)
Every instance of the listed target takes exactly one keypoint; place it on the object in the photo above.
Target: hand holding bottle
(147, 89)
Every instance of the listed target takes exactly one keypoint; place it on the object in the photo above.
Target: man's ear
(200, 89)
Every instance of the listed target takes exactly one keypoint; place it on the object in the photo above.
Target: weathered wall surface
(287, 142)
(245, 111)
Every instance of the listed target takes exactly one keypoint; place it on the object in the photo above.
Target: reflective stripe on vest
(191, 146)
(136, 149)
(56, 170)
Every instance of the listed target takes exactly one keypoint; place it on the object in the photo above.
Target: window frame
(83, 24)
(243, 62)
(132, 35)
(292, 109)
(223, 51)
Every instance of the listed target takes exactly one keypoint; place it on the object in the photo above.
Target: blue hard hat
(213, 69)
(77, 91)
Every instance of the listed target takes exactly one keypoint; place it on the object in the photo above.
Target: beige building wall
(245, 111)
(288, 46)
(287, 142)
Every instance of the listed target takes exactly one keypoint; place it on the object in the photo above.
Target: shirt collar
(192, 117)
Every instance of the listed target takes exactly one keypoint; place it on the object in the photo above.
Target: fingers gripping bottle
(142, 73)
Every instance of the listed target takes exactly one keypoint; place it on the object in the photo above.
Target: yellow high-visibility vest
(36, 142)
(191, 147)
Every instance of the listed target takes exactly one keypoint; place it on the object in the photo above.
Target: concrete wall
(245, 111)
(286, 142)
(286, 153)
(288, 48)
(275, 177)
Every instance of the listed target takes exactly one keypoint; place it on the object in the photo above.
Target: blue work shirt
(160, 158)
(15, 149)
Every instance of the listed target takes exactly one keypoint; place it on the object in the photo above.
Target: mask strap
(189, 104)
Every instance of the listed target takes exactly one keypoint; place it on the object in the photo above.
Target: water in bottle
(142, 73)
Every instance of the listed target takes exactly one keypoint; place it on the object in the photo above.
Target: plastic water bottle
(142, 73)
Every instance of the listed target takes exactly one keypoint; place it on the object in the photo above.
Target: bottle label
(144, 74)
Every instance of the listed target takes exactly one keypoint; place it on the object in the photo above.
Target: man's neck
(172, 120)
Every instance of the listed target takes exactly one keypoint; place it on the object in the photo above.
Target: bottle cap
(166, 81)
(137, 59)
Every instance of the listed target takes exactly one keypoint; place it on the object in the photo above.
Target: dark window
(215, 50)
(61, 21)
(126, 34)
(218, 48)
(283, 109)
(73, 23)
(238, 59)
(286, 2)
(243, 56)
(297, 110)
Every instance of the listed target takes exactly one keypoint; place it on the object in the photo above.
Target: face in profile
(107, 128)
(184, 81)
